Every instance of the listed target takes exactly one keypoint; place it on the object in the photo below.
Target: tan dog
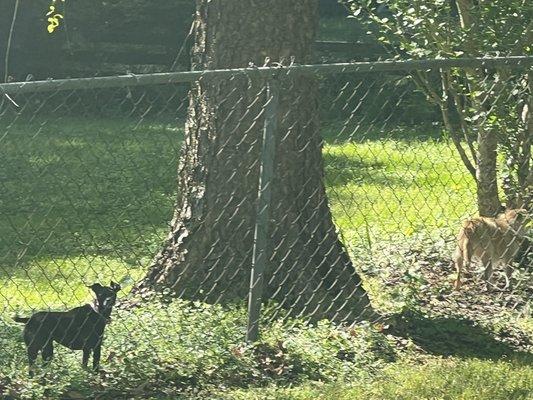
(492, 241)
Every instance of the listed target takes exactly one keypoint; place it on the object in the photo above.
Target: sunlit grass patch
(390, 187)
(432, 379)
(61, 283)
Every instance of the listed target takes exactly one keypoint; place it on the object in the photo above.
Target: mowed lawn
(81, 200)
(84, 200)
(397, 187)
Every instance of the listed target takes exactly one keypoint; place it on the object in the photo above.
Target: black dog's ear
(114, 286)
(95, 287)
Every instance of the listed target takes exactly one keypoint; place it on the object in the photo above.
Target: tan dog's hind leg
(488, 274)
(458, 267)
(508, 277)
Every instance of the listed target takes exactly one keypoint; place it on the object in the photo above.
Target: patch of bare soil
(473, 321)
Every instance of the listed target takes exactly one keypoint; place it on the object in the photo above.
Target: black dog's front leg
(32, 355)
(48, 352)
(96, 356)
(85, 359)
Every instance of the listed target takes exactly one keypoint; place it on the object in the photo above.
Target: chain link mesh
(89, 193)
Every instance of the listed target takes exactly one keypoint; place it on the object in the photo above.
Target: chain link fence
(91, 184)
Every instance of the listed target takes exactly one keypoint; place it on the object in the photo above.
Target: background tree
(103, 37)
(208, 253)
(96, 37)
(486, 112)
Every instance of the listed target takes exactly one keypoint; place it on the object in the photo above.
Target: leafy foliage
(162, 348)
(438, 29)
(473, 103)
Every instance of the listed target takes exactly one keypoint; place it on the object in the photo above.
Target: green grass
(395, 187)
(162, 350)
(438, 379)
(84, 200)
(57, 283)
(81, 199)
(108, 185)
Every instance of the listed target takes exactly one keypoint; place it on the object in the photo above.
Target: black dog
(81, 328)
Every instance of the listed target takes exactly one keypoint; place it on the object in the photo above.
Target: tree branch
(459, 108)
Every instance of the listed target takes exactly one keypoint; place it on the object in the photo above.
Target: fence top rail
(51, 85)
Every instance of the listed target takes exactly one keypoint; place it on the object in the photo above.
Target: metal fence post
(266, 173)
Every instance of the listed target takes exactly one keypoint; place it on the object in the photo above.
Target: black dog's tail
(22, 320)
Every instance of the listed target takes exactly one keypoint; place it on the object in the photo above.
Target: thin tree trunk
(208, 253)
(525, 171)
(488, 199)
(486, 168)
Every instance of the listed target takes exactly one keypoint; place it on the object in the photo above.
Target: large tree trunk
(208, 253)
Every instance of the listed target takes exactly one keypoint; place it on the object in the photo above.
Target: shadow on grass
(336, 132)
(341, 170)
(446, 336)
(85, 186)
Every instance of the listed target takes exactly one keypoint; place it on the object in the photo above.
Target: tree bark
(488, 200)
(208, 253)
(525, 170)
